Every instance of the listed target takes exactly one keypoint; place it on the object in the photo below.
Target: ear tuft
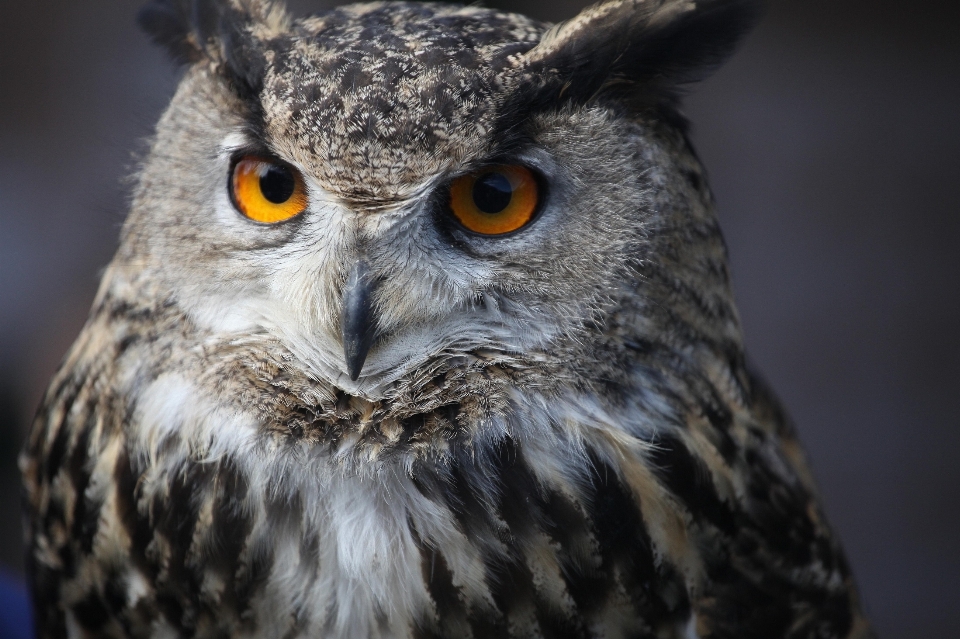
(173, 25)
(221, 31)
(645, 48)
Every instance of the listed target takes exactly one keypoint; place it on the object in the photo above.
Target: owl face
(385, 188)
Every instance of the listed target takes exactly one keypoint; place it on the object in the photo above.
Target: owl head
(383, 189)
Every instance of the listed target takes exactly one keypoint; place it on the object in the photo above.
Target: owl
(420, 326)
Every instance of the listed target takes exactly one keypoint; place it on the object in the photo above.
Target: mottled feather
(555, 434)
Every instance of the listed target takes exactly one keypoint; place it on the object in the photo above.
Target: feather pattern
(556, 434)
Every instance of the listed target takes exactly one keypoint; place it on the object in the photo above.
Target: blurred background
(833, 144)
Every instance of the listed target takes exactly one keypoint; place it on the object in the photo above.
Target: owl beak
(358, 322)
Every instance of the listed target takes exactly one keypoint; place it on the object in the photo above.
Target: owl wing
(67, 478)
(774, 566)
(123, 546)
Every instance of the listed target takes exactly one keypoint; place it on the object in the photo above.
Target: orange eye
(496, 200)
(267, 191)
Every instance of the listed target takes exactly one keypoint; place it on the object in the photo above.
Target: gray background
(833, 145)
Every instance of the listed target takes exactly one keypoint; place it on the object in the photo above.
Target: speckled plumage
(555, 433)
(382, 102)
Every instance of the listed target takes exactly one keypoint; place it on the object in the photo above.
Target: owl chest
(493, 545)
(204, 530)
(253, 541)
(352, 556)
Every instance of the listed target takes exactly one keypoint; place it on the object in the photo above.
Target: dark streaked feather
(640, 50)
(196, 30)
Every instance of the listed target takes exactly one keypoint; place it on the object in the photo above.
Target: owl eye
(495, 200)
(267, 191)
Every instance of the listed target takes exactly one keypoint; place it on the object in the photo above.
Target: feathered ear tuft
(188, 29)
(644, 48)
(225, 32)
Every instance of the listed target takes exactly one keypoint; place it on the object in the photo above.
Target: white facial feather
(433, 298)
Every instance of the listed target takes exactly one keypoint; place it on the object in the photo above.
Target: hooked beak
(358, 324)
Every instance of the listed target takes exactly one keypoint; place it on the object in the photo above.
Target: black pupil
(492, 192)
(277, 184)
